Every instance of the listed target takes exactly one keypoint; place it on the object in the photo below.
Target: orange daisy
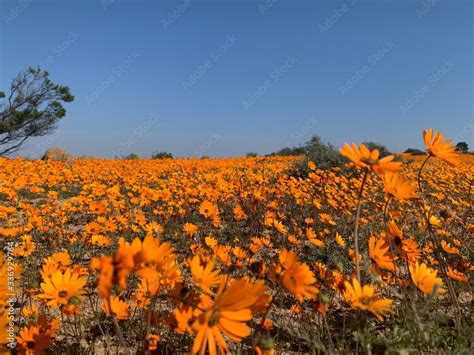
(437, 148)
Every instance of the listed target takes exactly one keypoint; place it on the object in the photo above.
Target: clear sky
(222, 78)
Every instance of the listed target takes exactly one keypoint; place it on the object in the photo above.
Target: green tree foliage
(324, 155)
(31, 109)
(380, 147)
(462, 147)
(162, 155)
(287, 152)
(131, 156)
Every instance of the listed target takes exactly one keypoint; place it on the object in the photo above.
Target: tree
(162, 155)
(31, 109)
(323, 154)
(462, 147)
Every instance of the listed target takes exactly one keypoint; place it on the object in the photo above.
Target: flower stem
(356, 228)
(385, 211)
(419, 174)
(117, 327)
(151, 307)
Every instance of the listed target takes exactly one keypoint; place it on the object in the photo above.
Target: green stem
(117, 327)
(356, 228)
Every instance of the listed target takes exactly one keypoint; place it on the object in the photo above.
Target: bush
(380, 147)
(162, 155)
(288, 152)
(414, 151)
(131, 156)
(57, 154)
(251, 155)
(323, 155)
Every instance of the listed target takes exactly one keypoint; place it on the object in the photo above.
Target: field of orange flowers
(238, 255)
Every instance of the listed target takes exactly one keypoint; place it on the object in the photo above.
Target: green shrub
(380, 147)
(288, 152)
(323, 155)
(131, 156)
(162, 155)
(414, 151)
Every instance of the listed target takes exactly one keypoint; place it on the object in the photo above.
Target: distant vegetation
(414, 151)
(162, 155)
(380, 147)
(462, 147)
(131, 156)
(324, 155)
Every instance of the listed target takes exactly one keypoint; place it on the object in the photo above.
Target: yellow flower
(340, 240)
(33, 340)
(397, 186)
(280, 227)
(116, 307)
(296, 277)
(26, 247)
(437, 148)
(62, 288)
(365, 298)
(457, 275)
(227, 315)
(364, 158)
(152, 342)
(190, 228)
(378, 252)
(448, 248)
(204, 276)
(100, 240)
(425, 278)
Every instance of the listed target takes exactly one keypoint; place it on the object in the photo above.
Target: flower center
(214, 318)
(30, 344)
(62, 293)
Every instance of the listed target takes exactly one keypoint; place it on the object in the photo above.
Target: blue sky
(222, 78)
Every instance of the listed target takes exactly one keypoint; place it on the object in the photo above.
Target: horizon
(202, 78)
